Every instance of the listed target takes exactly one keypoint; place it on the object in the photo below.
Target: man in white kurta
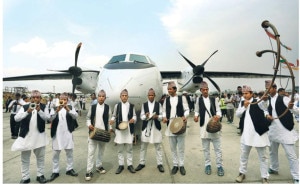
(97, 117)
(254, 134)
(62, 138)
(151, 114)
(209, 108)
(124, 112)
(170, 111)
(282, 132)
(32, 137)
(14, 106)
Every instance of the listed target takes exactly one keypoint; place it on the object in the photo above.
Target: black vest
(286, 120)
(105, 115)
(179, 108)
(24, 126)
(129, 116)
(202, 109)
(260, 123)
(156, 109)
(56, 120)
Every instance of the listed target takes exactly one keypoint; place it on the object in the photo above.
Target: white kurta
(250, 137)
(124, 136)
(151, 134)
(33, 139)
(63, 138)
(174, 102)
(98, 117)
(277, 132)
(203, 133)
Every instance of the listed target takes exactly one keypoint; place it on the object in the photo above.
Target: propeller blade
(213, 82)
(76, 58)
(209, 57)
(65, 71)
(77, 53)
(73, 88)
(188, 61)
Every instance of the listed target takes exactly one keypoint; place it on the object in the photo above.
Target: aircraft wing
(53, 76)
(170, 74)
(221, 74)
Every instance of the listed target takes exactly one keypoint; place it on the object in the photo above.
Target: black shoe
(88, 176)
(182, 170)
(41, 179)
(72, 173)
(25, 181)
(131, 169)
(54, 176)
(161, 168)
(208, 169)
(140, 166)
(174, 170)
(120, 169)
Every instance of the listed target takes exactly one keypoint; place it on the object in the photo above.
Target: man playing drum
(151, 114)
(96, 119)
(208, 108)
(175, 106)
(124, 114)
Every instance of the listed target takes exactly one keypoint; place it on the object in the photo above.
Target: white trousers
(92, 147)
(263, 160)
(290, 152)
(40, 162)
(55, 160)
(218, 151)
(128, 154)
(177, 144)
(143, 153)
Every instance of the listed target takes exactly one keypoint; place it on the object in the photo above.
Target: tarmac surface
(194, 160)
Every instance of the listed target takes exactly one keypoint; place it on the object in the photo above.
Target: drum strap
(202, 109)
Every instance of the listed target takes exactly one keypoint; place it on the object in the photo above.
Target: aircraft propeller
(76, 71)
(199, 70)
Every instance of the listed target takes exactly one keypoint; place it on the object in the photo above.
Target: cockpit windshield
(138, 58)
(134, 58)
(117, 59)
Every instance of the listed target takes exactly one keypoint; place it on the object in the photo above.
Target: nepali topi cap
(268, 83)
(246, 88)
(203, 84)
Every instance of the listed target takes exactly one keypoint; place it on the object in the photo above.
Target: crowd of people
(262, 125)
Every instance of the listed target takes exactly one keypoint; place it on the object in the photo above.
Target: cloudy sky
(43, 34)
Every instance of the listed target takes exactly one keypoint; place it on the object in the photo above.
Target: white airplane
(136, 73)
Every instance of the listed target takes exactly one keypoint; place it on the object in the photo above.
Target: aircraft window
(138, 59)
(117, 59)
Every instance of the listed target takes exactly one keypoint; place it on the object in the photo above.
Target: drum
(177, 126)
(100, 135)
(213, 125)
(123, 125)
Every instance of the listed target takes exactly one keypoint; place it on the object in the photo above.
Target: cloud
(38, 47)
